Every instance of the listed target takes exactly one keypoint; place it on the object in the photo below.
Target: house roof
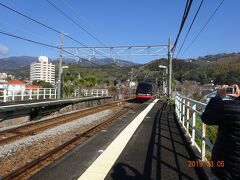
(17, 82)
(32, 87)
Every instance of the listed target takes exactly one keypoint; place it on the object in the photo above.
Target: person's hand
(222, 91)
(236, 91)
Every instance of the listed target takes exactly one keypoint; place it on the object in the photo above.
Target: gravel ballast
(11, 148)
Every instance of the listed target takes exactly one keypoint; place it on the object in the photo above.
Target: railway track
(32, 167)
(13, 134)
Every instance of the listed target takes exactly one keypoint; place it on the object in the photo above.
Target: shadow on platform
(168, 153)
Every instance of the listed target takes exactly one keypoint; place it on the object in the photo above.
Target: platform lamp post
(164, 75)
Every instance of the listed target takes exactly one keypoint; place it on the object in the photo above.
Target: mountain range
(220, 68)
(21, 61)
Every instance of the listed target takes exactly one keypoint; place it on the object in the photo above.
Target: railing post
(13, 94)
(203, 148)
(75, 92)
(179, 103)
(55, 93)
(37, 93)
(175, 99)
(193, 124)
(180, 109)
(176, 106)
(188, 104)
(44, 93)
(183, 113)
(30, 96)
(50, 93)
(4, 95)
(22, 94)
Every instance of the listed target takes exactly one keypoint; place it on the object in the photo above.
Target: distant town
(41, 70)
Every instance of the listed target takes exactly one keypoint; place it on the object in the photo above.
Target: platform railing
(27, 94)
(188, 112)
(94, 92)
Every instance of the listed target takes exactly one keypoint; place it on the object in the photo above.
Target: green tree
(69, 84)
(42, 83)
(90, 81)
(197, 96)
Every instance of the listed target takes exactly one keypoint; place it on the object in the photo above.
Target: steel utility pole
(130, 85)
(169, 68)
(164, 79)
(60, 67)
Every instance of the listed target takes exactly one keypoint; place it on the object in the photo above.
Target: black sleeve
(213, 112)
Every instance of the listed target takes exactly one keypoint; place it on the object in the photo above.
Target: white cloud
(3, 50)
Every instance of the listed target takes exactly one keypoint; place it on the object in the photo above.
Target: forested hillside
(218, 68)
(221, 69)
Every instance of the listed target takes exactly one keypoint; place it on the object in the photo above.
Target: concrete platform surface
(156, 150)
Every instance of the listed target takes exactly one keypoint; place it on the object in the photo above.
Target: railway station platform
(15, 113)
(147, 143)
(14, 106)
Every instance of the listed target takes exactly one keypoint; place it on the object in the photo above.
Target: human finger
(224, 88)
(237, 90)
(222, 91)
(233, 95)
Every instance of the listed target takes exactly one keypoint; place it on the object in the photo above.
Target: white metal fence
(27, 94)
(95, 92)
(91, 92)
(188, 112)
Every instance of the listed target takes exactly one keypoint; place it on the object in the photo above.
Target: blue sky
(122, 22)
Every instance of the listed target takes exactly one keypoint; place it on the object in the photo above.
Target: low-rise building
(3, 85)
(16, 85)
(32, 87)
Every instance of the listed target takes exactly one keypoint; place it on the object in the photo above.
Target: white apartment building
(42, 70)
(3, 75)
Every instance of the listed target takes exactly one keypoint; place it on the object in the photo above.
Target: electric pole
(164, 79)
(130, 85)
(60, 67)
(169, 68)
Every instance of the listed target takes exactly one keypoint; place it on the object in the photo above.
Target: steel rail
(74, 141)
(33, 128)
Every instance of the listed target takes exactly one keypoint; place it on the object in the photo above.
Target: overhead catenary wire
(205, 25)
(39, 43)
(189, 29)
(185, 15)
(44, 25)
(75, 22)
(80, 26)
(74, 11)
(24, 31)
(29, 40)
(40, 23)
